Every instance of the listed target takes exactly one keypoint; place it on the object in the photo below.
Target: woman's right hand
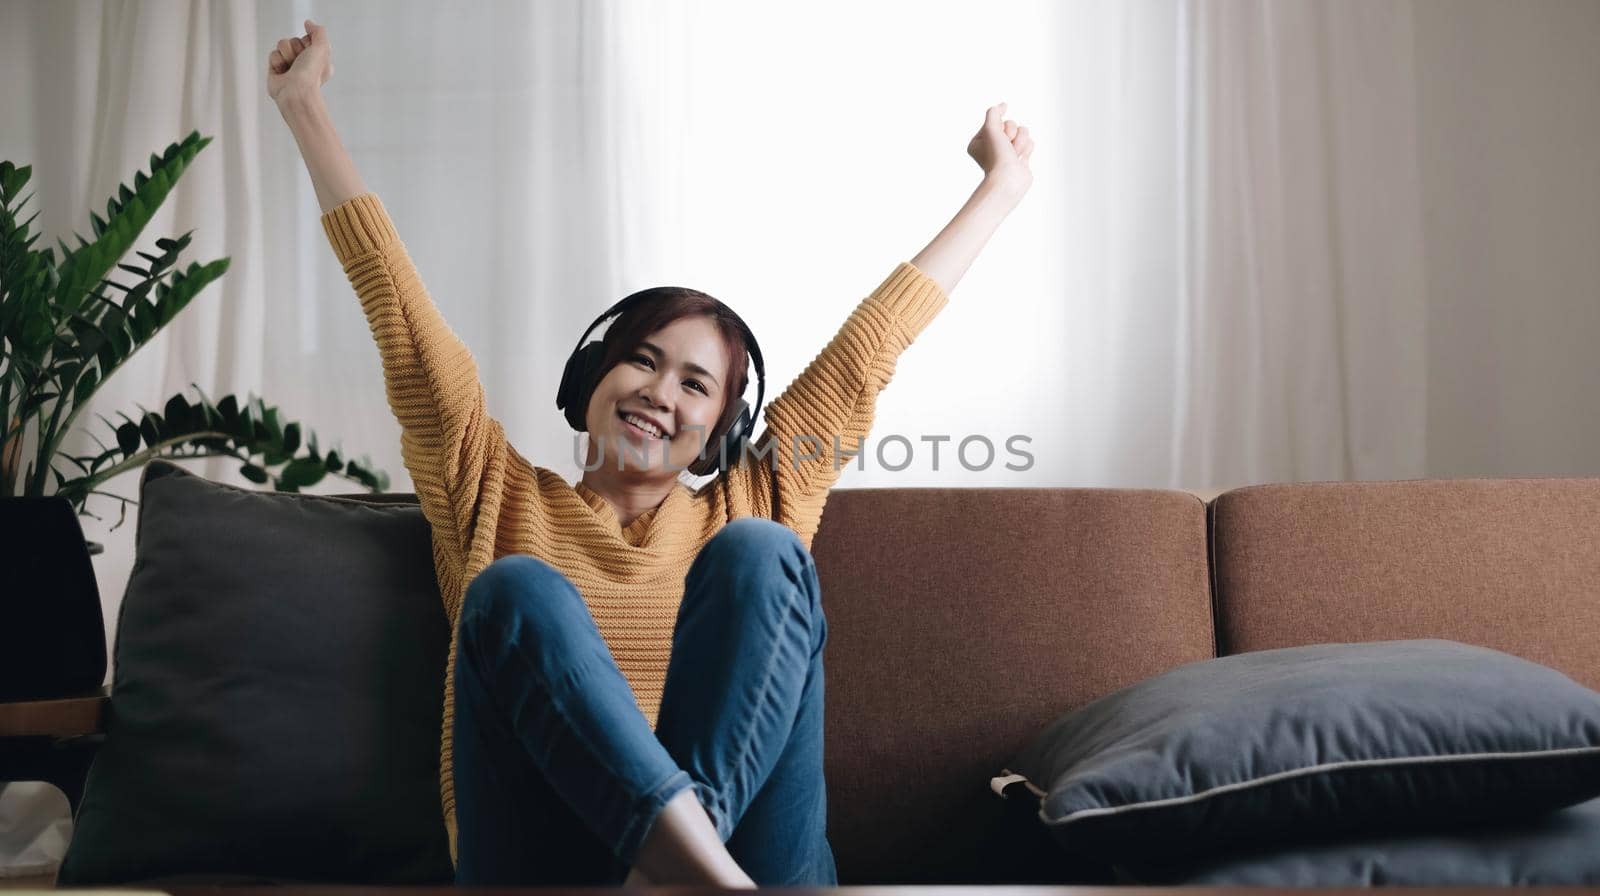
(300, 63)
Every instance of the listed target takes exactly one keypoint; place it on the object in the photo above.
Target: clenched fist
(1002, 148)
(300, 63)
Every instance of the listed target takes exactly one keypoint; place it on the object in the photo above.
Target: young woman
(635, 684)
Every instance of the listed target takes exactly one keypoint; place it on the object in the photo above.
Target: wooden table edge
(60, 717)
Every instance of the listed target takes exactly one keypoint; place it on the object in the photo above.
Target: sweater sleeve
(835, 396)
(448, 440)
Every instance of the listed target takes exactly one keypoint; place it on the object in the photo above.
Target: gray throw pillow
(1278, 745)
(276, 696)
(1560, 848)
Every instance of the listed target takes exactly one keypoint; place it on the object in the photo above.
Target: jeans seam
(748, 741)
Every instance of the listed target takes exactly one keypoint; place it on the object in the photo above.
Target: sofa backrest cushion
(1512, 564)
(960, 622)
(276, 695)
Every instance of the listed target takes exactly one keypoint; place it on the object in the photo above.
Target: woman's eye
(646, 359)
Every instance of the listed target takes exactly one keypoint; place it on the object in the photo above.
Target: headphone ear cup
(738, 431)
(578, 382)
(734, 426)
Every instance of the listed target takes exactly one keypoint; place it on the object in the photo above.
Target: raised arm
(296, 71)
(1002, 149)
(835, 396)
(453, 449)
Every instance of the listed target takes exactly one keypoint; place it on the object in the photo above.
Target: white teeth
(643, 424)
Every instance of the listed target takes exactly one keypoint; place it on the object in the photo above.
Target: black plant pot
(52, 634)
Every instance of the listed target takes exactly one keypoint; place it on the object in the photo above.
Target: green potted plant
(64, 330)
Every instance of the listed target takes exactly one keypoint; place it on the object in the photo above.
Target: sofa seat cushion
(1560, 848)
(276, 694)
(1328, 739)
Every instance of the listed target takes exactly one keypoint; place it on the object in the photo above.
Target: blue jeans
(558, 776)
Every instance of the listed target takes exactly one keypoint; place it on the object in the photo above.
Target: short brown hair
(663, 306)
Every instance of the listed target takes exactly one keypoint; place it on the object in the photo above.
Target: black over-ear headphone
(582, 374)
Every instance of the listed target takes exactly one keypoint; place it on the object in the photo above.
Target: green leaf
(177, 414)
(208, 411)
(35, 330)
(141, 321)
(300, 473)
(254, 473)
(12, 179)
(35, 401)
(23, 227)
(85, 387)
(128, 439)
(291, 439)
(362, 471)
(258, 419)
(150, 428)
(229, 408)
(64, 372)
(245, 426)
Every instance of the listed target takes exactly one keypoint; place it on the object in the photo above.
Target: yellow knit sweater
(484, 500)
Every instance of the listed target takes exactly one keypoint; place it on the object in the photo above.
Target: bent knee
(512, 586)
(757, 535)
(753, 546)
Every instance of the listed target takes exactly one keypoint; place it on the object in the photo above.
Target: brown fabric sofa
(964, 620)
(961, 621)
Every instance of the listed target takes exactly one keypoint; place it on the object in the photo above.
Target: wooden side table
(53, 740)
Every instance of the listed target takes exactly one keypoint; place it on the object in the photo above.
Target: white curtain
(1298, 331)
(1267, 241)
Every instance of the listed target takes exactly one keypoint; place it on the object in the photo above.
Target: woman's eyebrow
(690, 365)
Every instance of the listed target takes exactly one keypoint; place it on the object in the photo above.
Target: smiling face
(676, 379)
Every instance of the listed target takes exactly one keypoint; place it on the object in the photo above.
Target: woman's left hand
(1001, 148)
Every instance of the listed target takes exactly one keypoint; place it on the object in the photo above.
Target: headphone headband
(627, 303)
